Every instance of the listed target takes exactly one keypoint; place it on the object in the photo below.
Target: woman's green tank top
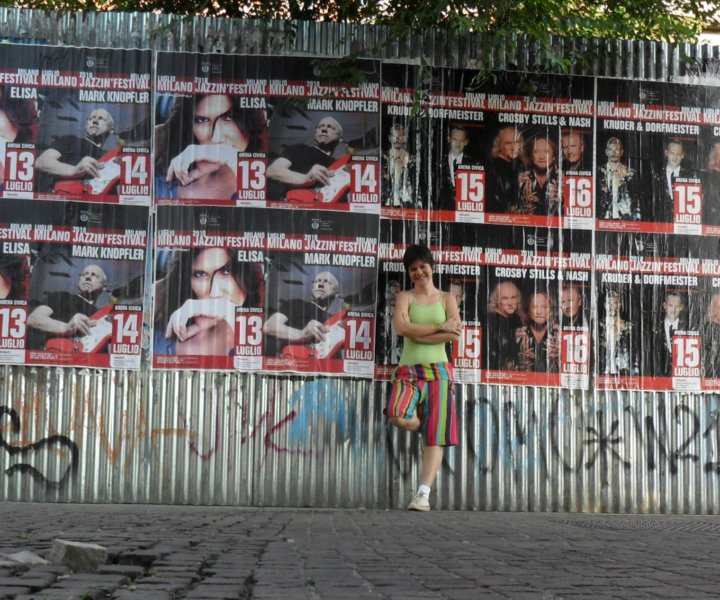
(414, 353)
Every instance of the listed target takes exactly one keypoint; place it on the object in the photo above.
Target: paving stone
(210, 553)
(57, 570)
(65, 594)
(12, 591)
(217, 592)
(143, 558)
(141, 595)
(91, 581)
(33, 583)
(130, 571)
(79, 557)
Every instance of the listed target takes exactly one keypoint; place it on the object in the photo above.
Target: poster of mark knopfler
(658, 312)
(75, 124)
(264, 289)
(457, 249)
(511, 149)
(264, 131)
(322, 283)
(658, 157)
(72, 283)
(537, 307)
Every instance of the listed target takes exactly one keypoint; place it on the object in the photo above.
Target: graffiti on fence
(569, 435)
(21, 453)
(282, 426)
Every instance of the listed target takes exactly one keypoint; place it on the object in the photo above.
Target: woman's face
(420, 272)
(213, 123)
(5, 284)
(8, 129)
(212, 277)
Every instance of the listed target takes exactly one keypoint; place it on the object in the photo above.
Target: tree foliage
(662, 20)
(499, 20)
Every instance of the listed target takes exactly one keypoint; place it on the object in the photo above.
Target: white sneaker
(420, 502)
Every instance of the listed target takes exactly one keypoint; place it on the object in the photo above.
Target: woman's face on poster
(8, 129)
(212, 277)
(213, 123)
(5, 285)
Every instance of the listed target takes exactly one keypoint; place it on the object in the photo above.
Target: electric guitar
(93, 342)
(103, 184)
(326, 194)
(331, 345)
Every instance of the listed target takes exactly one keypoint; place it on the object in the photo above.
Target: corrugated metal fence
(85, 435)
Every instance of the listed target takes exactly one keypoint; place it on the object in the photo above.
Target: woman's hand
(206, 159)
(213, 310)
(453, 326)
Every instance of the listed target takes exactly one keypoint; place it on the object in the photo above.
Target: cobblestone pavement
(211, 553)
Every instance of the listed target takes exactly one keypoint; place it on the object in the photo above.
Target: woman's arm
(449, 331)
(402, 322)
(427, 333)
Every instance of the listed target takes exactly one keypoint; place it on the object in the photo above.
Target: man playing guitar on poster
(74, 159)
(301, 168)
(308, 329)
(68, 315)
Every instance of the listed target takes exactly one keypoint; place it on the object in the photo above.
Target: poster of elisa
(75, 124)
(262, 131)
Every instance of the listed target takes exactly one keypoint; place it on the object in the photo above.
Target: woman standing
(421, 398)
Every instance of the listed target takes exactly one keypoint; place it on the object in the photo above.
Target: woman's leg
(412, 424)
(431, 462)
(403, 400)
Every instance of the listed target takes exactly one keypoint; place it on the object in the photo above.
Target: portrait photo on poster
(86, 290)
(209, 286)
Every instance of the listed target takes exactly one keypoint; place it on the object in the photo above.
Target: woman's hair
(15, 270)
(178, 285)
(551, 304)
(176, 133)
(530, 145)
(22, 114)
(415, 252)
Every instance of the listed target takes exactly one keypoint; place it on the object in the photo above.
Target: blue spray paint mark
(319, 398)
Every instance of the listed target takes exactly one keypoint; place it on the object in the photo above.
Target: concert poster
(75, 124)
(72, 283)
(456, 248)
(264, 290)
(395, 237)
(512, 149)
(537, 308)
(322, 286)
(658, 312)
(658, 157)
(266, 131)
(209, 288)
